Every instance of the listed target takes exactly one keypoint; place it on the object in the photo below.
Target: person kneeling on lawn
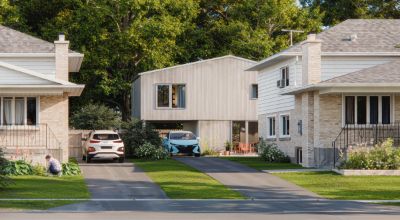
(54, 166)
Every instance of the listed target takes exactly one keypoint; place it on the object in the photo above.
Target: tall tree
(121, 38)
(248, 28)
(336, 11)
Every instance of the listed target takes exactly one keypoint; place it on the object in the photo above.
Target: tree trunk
(126, 107)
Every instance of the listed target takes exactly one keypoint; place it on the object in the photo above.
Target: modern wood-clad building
(216, 99)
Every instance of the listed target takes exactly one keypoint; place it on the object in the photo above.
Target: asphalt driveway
(248, 181)
(107, 180)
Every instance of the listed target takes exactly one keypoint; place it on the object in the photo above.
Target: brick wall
(54, 113)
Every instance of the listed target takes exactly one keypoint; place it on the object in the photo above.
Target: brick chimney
(61, 50)
(311, 60)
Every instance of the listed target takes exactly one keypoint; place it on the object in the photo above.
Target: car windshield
(106, 136)
(182, 136)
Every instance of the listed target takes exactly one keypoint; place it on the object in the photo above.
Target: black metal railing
(25, 141)
(366, 135)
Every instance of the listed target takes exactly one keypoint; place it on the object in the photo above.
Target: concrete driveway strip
(119, 181)
(250, 182)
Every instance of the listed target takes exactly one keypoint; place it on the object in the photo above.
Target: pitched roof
(383, 73)
(199, 62)
(12, 41)
(373, 35)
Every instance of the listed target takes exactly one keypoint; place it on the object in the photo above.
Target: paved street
(211, 209)
(119, 181)
(250, 182)
(122, 191)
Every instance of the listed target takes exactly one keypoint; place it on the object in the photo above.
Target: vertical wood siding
(217, 89)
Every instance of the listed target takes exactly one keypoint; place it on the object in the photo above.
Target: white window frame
(25, 111)
(268, 126)
(285, 76)
(281, 135)
(251, 91)
(392, 108)
(169, 95)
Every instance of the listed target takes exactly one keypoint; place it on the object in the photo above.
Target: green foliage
(151, 152)
(38, 170)
(135, 134)
(228, 145)
(17, 168)
(381, 157)
(70, 169)
(123, 38)
(336, 11)
(208, 151)
(95, 116)
(271, 153)
(4, 180)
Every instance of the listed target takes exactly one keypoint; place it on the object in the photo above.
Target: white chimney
(311, 60)
(61, 56)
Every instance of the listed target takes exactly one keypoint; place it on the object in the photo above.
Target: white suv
(103, 144)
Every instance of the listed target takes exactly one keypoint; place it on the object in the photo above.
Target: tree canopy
(121, 38)
(336, 11)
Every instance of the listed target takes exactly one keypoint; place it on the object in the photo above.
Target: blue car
(182, 143)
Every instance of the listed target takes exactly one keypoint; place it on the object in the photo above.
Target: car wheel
(197, 155)
(121, 160)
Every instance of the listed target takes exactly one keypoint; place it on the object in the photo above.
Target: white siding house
(306, 114)
(207, 97)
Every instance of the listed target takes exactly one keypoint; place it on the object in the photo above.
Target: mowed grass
(259, 164)
(35, 187)
(180, 181)
(334, 186)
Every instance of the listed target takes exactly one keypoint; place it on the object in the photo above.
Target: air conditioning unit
(280, 83)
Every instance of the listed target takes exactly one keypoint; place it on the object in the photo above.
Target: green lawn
(259, 164)
(180, 181)
(335, 186)
(27, 187)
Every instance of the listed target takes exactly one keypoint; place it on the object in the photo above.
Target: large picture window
(18, 110)
(171, 96)
(367, 109)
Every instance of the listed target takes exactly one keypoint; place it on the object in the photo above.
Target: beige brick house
(337, 89)
(34, 93)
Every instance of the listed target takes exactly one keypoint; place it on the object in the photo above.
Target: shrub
(4, 180)
(135, 134)
(17, 168)
(228, 145)
(95, 116)
(380, 157)
(151, 152)
(71, 169)
(271, 153)
(38, 170)
(209, 152)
